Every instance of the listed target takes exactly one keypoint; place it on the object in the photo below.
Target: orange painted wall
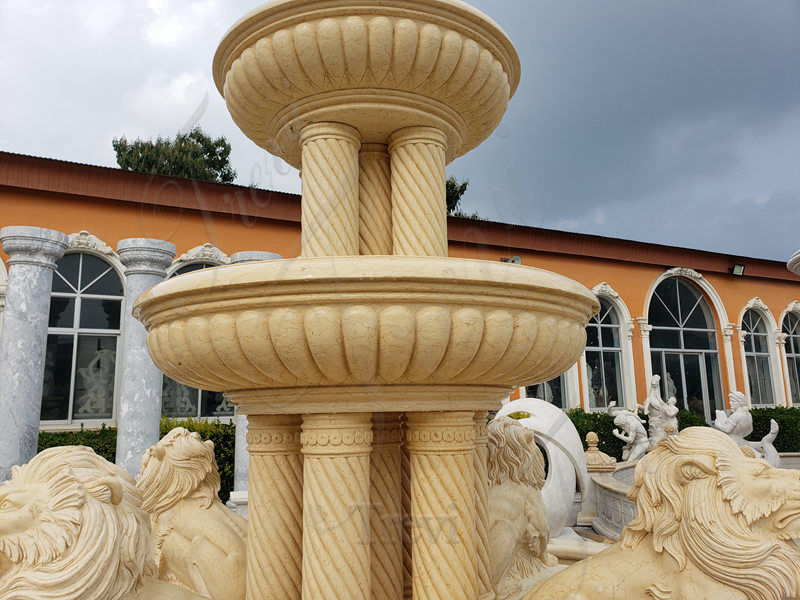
(186, 228)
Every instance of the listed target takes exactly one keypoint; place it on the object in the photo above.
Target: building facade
(706, 323)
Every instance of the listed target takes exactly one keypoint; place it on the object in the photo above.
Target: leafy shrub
(788, 420)
(104, 442)
(687, 418)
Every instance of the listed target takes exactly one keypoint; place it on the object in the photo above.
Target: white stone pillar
(241, 468)
(146, 261)
(33, 253)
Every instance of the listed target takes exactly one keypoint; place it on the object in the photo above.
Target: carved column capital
(273, 434)
(339, 434)
(446, 433)
(644, 326)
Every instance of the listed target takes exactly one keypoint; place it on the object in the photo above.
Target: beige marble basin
(378, 67)
(350, 333)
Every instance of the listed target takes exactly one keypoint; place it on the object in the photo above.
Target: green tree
(453, 192)
(192, 155)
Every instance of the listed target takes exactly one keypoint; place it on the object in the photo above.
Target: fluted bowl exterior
(375, 66)
(365, 321)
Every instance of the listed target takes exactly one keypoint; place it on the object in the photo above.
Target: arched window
(756, 352)
(683, 346)
(84, 326)
(179, 400)
(604, 358)
(791, 327)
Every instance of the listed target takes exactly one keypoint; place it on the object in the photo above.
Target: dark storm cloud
(624, 102)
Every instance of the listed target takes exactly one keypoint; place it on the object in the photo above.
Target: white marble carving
(630, 429)
(98, 381)
(655, 408)
(33, 253)
(84, 240)
(204, 253)
(739, 424)
(139, 415)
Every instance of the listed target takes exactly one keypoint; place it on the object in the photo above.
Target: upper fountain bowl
(350, 334)
(377, 66)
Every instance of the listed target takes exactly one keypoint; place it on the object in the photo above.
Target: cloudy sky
(674, 121)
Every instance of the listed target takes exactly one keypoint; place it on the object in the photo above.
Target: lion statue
(198, 542)
(712, 523)
(518, 532)
(72, 528)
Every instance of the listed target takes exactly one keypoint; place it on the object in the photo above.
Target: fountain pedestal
(326, 353)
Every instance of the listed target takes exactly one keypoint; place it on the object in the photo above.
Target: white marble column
(33, 253)
(241, 461)
(139, 413)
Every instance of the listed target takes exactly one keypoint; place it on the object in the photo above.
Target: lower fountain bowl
(366, 333)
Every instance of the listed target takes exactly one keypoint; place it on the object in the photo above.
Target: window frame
(112, 260)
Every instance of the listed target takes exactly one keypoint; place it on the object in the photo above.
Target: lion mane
(513, 454)
(181, 465)
(692, 495)
(90, 539)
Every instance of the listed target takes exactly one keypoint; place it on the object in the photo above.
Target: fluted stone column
(442, 505)
(240, 457)
(275, 524)
(33, 253)
(336, 506)
(375, 200)
(419, 205)
(139, 414)
(330, 190)
(405, 462)
(480, 459)
(386, 518)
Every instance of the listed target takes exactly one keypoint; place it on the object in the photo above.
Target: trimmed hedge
(104, 442)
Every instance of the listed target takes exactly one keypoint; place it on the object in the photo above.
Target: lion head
(181, 465)
(71, 528)
(701, 500)
(513, 454)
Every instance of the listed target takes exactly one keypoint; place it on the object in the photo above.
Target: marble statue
(739, 424)
(198, 542)
(712, 523)
(671, 416)
(518, 533)
(98, 381)
(72, 528)
(633, 433)
(654, 407)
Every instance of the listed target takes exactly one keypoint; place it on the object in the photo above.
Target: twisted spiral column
(442, 505)
(375, 200)
(480, 456)
(419, 207)
(336, 506)
(330, 189)
(275, 490)
(387, 512)
(405, 462)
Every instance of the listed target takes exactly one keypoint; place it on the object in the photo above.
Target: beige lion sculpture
(198, 542)
(518, 532)
(72, 528)
(712, 524)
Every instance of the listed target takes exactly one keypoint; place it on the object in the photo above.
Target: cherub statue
(654, 407)
(98, 381)
(518, 532)
(198, 542)
(740, 424)
(671, 416)
(633, 433)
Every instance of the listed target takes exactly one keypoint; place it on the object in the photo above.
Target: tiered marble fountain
(366, 366)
